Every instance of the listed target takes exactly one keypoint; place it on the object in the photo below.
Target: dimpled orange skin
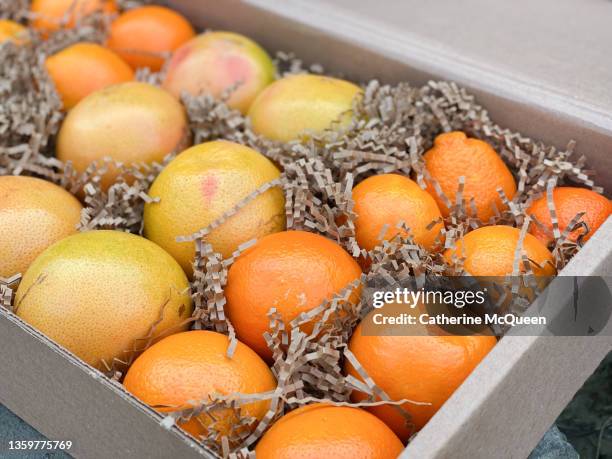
(131, 122)
(218, 61)
(298, 103)
(292, 271)
(454, 155)
(417, 368)
(83, 68)
(34, 214)
(11, 30)
(49, 13)
(324, 431)
(490, 251)
(97, 292)
(199, 186)
(388, 199)
(192, 366)
(570, 201)
(140, 35)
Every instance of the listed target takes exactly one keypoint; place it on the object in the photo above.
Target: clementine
(292, 271)
(83, 68)
(11, 30)
(388, 199)
(325, 431)
(490, 251)
(50, 14)
(193, 366)
(143, 36)
(570, 201)
(424, 369)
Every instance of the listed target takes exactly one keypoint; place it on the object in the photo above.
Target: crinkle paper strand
(392, 128)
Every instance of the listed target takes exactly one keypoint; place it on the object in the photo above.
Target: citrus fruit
(48, 14)
(388, 199)
(215, 62)
(326, 431)
(34, 214)
(570, 201)
(292, 271)
(424, 369)
(455, 155)
(130, 122)
(490, 251)
(83, 68)
(193, 366)
(11, 30)
(143, 36)
(96, 293)
(298, 103)
(199, 186)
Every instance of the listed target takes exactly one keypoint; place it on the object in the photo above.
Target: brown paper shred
(393, 126)
(7, 290)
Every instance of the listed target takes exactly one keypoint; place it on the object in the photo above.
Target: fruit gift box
(192, 224)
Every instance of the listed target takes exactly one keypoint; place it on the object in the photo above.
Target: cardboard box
(510, 400)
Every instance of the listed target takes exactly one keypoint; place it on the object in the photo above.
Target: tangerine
(454, 155)
(570, 201)
(143, 36)
(292, 271)
(388, 199)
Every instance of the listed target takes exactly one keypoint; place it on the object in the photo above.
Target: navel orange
(424, 369)
(570, 201)
(289, 107)
(388, 199)
(325, 431)
(193, 366)
(199, 186)
(142, 36)
(34, 214)
(455, 155)
(292, 271)
(490, 251)
(96, 293)
(83, 68)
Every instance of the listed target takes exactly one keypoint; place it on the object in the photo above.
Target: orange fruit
(489, 251)
(193, 366)
(34, 214)
(292, 271)
(143, 36)
(131, 122)
(326, 431)
(215, 62)
(388, 199)
(454, 155)
(11, 30)
(49, 13)
(96, 293)
(83, 68)
(298, 103)
(570, 201)
(199, 186)
(426, 369)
